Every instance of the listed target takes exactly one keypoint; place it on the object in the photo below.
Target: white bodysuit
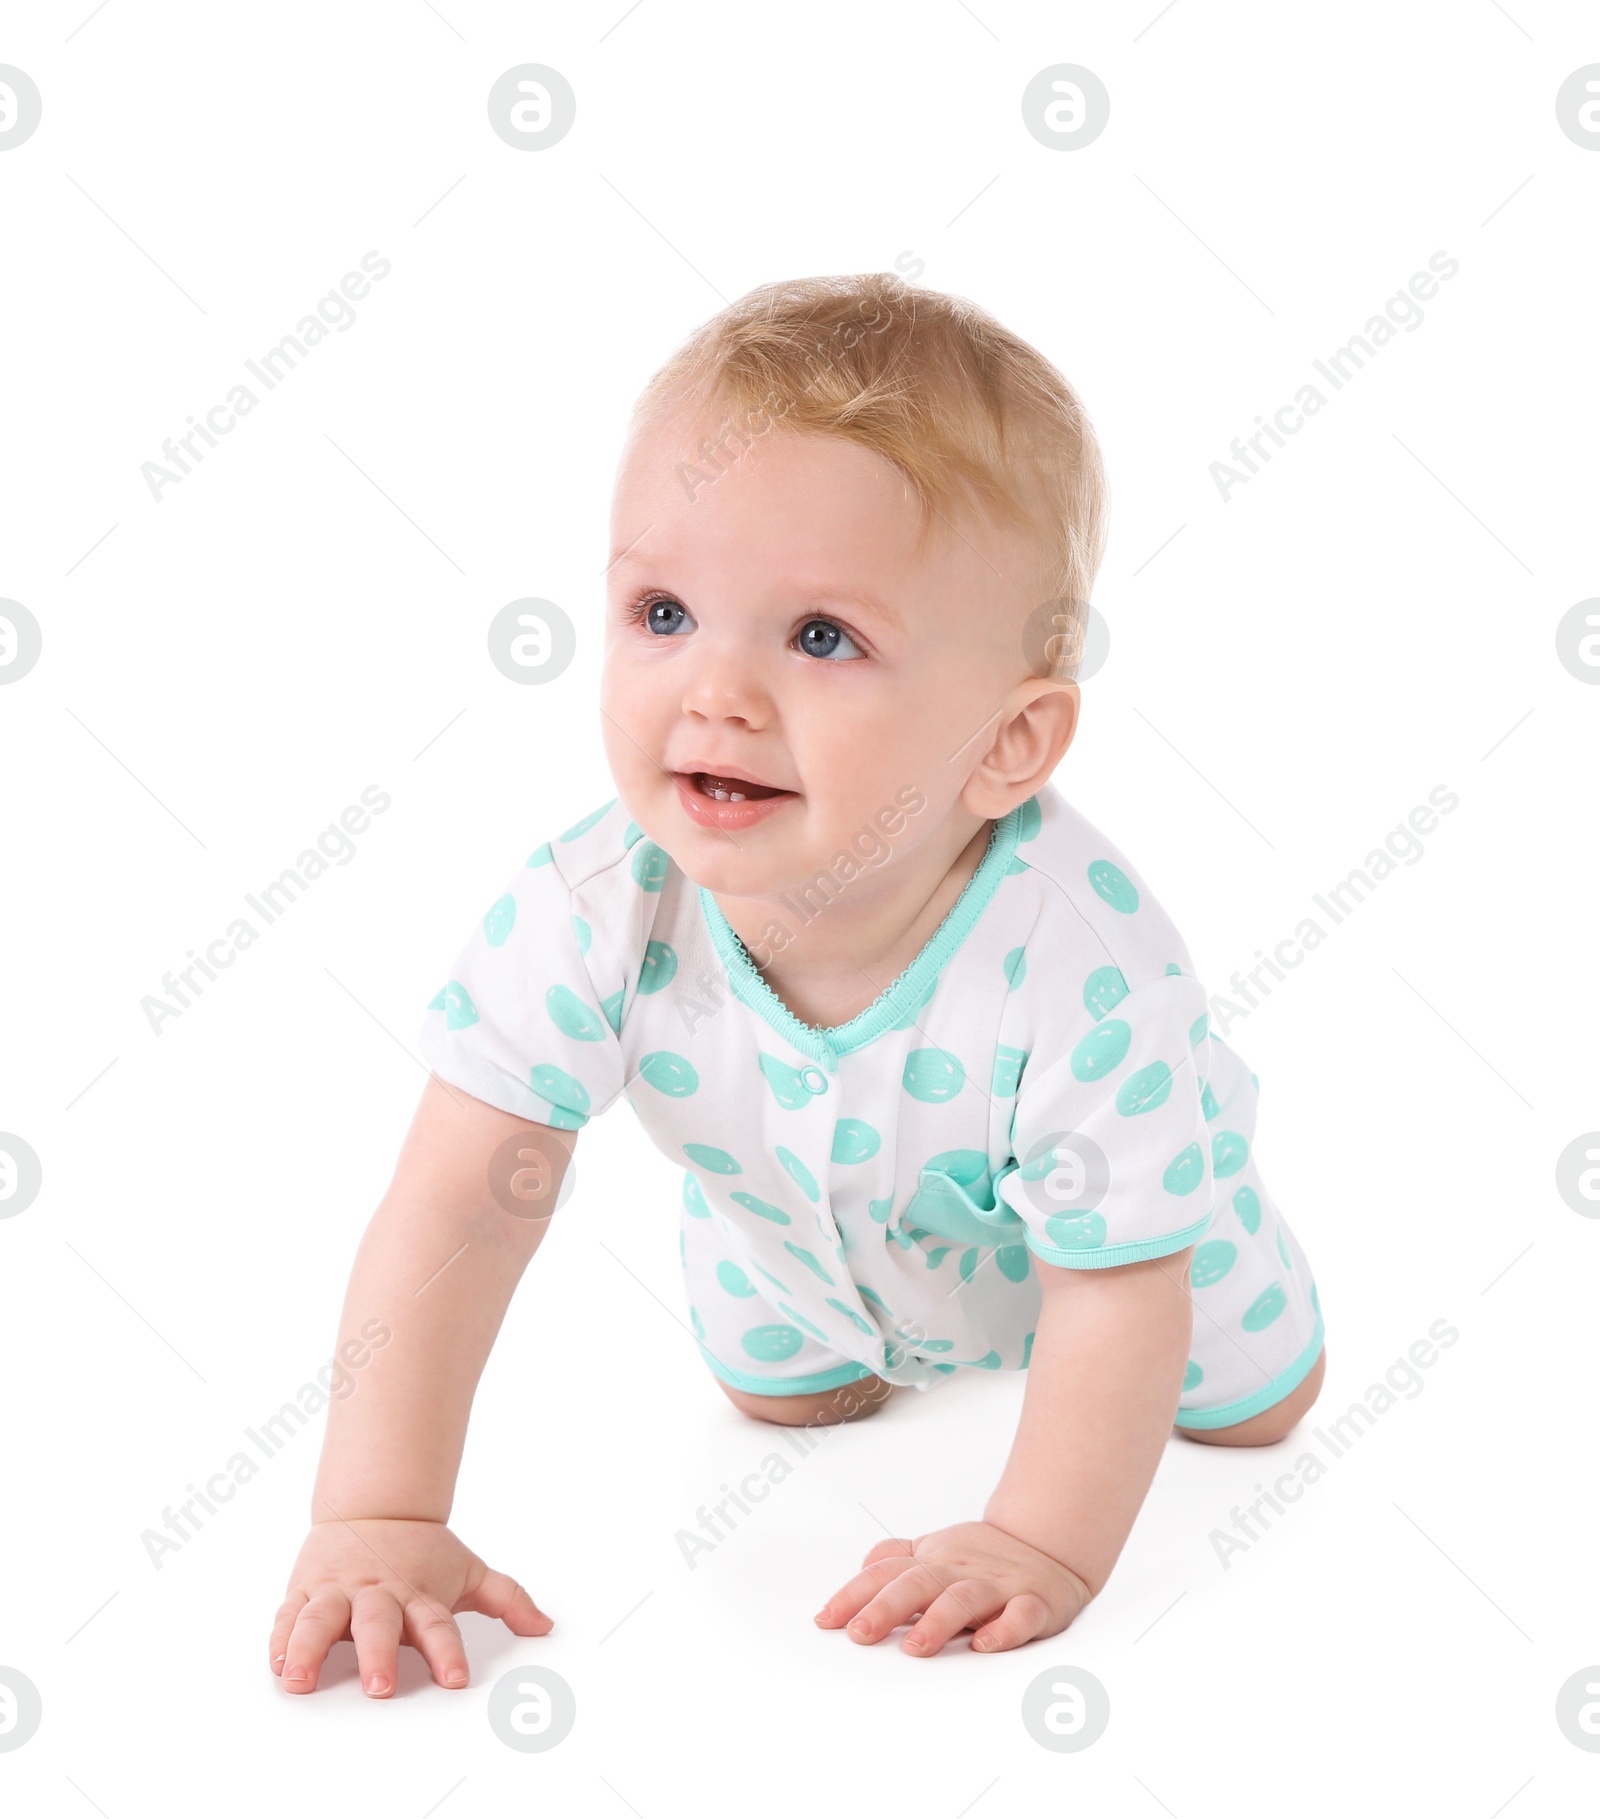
(1039, 1083)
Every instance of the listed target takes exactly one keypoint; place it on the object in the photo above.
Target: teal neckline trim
(890, 1008)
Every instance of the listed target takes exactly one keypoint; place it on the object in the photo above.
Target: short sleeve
(1113, 1158)
(519, 1023)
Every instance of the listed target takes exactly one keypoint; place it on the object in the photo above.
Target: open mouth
(731, 789)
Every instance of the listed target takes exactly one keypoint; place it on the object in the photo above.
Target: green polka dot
(1192, 1375)
(969, 1167)
(1208, 1101)
(1030, 818)
(1103, 1049)
(933, 1075)
(763, 1209)
(937, 1255)
(1197, 1029)
(733, 1279)
(630, 833)
(648, 865)
(1015, 966)
(947, 1370)
(936, 1345)
(500, 920)
(801, 1320)
(1012, 1262)
(1113, 886)
(541, 855)
(569, 1098)
(880, 1209)
(990, 1361)
(1212, 1261)
(612, 1007)
(967, 1263)
(1027, 1351)
(583, 826)
(1173, 967)
(799, 1174)
(1007, 1076)
(872, 1295)
(669, 1073)
(697, 1323)
(1145, 1090)
(1264, 1309)
(772, 1344)
(583, 933)
(1014, 865)
(854, 1141)
(459, 1010)
(572, 1016)
(659, 969)
(1229, 1152)
(851, 1315)
(1104, 990)
(788, 1088)
(709, 1156)
(1078, 1232)
(694, 1198)
(1283, 1251)
(1247, 1204)
(1185, 1171)
(797, 1250)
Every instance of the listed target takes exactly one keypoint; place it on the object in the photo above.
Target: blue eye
(662, 615)
(822, 638)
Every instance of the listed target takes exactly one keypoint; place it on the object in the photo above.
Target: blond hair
(969, 413)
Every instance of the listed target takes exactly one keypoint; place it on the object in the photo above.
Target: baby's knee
(848, 1402)
(1272, 1424)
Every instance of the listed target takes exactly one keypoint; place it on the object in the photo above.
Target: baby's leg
(1272, 1424)
(849, 1402)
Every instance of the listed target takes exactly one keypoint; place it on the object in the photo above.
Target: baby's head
(854, 533)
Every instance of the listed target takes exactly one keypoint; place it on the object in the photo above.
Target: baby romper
(1039, 1083)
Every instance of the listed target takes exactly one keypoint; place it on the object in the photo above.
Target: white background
(1371, 616)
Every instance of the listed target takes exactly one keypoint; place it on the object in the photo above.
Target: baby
(932, 1059)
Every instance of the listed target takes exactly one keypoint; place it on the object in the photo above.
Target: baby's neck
(828, 969)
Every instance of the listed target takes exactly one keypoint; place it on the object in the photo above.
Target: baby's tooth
(734, 796)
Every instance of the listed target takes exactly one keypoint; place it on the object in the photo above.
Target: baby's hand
(381, 1582)
(959, 1578)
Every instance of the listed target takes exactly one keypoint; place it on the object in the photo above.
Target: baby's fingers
(1024, 1617)
(323, 1620)
(499, 1595)
(375, 1624)
(433, 1633)
(282, 1624)
(849, 1598)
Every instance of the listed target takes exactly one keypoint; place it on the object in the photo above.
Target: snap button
(813, 1079)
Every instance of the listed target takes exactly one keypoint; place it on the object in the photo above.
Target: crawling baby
(931, 1063)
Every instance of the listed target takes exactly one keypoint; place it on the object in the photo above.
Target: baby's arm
(1104, 1379)
(437, 1267)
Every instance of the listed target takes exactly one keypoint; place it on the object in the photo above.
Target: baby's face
(774, 623)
